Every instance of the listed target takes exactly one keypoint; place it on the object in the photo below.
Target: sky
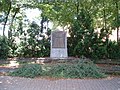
(34, 15)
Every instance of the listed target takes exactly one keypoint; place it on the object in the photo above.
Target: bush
(84, 40)
(64, 70)
(78, 70)
(4, 48)
(113, 50)
(29, 71)
(34, 43)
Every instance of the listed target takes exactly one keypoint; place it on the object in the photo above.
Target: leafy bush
(36, 44)
(78, 70)
(29, 70)
(84, 40)
(4, 48)
(113, 50)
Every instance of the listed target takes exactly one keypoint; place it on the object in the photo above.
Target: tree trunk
(104, 17)
(77, 9)
(6, 19)
(11, 24)
(117, 19)
(105, 27)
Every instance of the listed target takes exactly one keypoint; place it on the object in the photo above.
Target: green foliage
(34, 43)
(81, 17)
(99, 51)
(89, 14)
(113, 50)
(77, 70)
(29, 71)
(84, 41)
(4, 48)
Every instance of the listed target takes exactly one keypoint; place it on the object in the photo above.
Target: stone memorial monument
(58, 45)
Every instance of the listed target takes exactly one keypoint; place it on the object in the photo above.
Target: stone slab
(58, 45)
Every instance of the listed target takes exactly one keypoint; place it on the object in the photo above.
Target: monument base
(59, 53)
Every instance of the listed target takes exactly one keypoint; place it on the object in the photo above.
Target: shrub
(4, 48)
(64, 70)
(78, 70)
(113, 50)
(36, 44)
(29, 71)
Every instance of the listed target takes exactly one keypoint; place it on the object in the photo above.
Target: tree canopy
(82, 18)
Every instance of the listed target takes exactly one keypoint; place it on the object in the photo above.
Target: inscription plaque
(58, 39)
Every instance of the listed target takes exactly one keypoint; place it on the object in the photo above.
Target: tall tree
(6, 8)
(117, 18)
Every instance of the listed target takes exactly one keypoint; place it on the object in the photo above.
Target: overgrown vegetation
(114, 50)
(33, 43)
(63, 70)
(28, 70)
(77, 70)
(4, 48)
(86, 41)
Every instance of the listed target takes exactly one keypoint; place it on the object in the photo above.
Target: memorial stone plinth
(58, 45)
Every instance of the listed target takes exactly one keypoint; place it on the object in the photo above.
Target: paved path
(17, 83)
